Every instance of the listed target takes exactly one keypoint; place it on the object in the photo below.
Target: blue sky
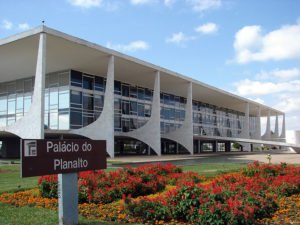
(248, 47)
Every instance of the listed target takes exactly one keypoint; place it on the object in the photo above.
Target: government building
(54, 86)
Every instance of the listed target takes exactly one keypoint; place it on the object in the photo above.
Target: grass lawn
(213, 169)
(29, 215)
(10, 179)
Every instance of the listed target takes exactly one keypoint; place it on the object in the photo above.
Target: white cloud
(169, 2)
(289, 103)
(254, 88)
(207, 28)
(204, 5)
(283, 75)
(23, 26)
(179, 38)
(86, 3)
(251, 44)
(6, 24)
(130, 47)
(139, 2)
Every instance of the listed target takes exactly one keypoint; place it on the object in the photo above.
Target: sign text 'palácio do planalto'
(42, 157)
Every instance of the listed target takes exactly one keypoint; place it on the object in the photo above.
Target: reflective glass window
(88, 82)
(133, 92)
(133, 108)
(76, 98)
(117, 105)
(76, 78)
(99, 84)
(141, 93)
(147, 110)
(64, 120)
(86, 120)
(88, 102)
(98, 102)
(3, 105)
(117, 87)
(125, 125)
(125, 90)
(148, 94)
(64, 98)
(76, 117)
(11, 104)
(125, 107)
(141, 110)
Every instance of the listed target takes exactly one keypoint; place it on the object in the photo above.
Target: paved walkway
(231, 157)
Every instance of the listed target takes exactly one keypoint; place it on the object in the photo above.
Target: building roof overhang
(18, 55)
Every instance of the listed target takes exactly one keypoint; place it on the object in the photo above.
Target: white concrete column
(103, 127)
(283, 135)
(150, 132)
(267, 135)
(184, 134)
(258, 125)
(31, 126)
(246, 122)
(276, 132)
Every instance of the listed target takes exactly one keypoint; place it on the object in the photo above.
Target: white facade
(175, 109)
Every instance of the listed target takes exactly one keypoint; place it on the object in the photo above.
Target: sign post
(67, 198)
(65, 158)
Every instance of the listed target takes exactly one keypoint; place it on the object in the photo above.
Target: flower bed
(229, 199)
(249, 197)
(287, 213)
(101, 187)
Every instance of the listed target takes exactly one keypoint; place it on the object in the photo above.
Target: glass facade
(172, 112)
(210, 120)
(74, 99)
(132, 106)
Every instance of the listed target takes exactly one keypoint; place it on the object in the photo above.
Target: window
(141, 110)
(99, 84)
(76, 118)
(125, 107)
(125, 90)
(117, 87)
(133, 108)
(148, 94)
(147, 110)
(88, 102)
(87, 119)
(64, 99)
(76, 78)
(117, 123)
(76, 99)
(88, 82)
(133, 124)
(141, 93)
(98, 102)
(117, 105)
(133, 92)
(125, 125)
(3, 105)
(63, 120)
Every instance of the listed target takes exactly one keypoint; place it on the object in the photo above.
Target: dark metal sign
(43, 157)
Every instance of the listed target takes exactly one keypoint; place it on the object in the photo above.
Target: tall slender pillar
(267, 135)
(150, 132)
(31, 126)
(103, 127)
(283, 134)
(276, 132)
(258, 125)
(184, 135)
(246, 122)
